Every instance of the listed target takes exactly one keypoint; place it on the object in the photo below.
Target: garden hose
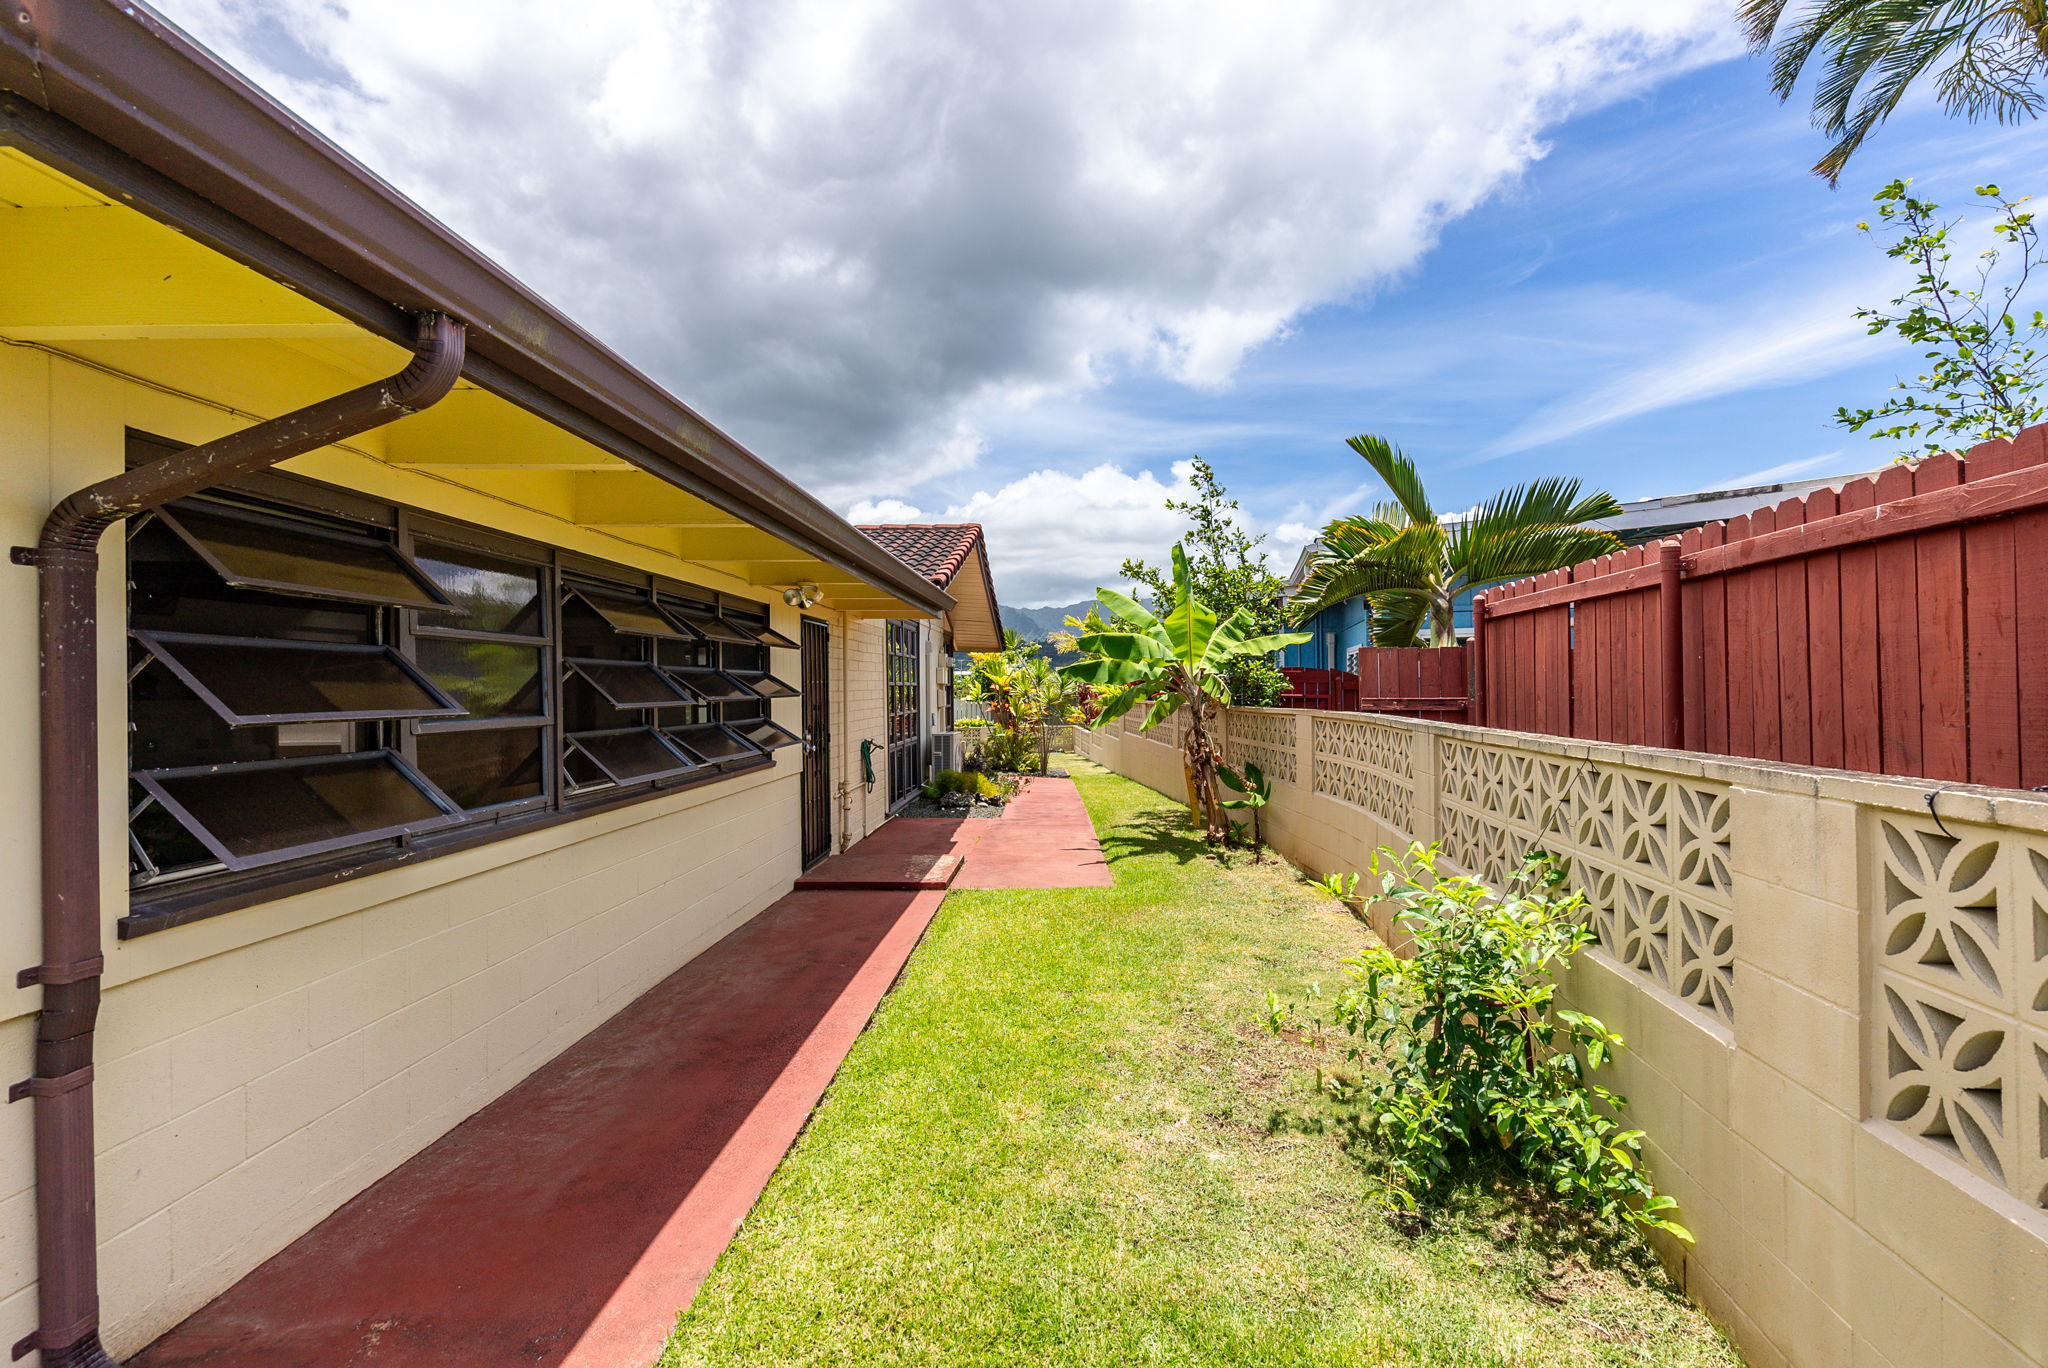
(867, 763)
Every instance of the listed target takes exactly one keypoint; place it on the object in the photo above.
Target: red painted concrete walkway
(1044, 839)
(565, 1224)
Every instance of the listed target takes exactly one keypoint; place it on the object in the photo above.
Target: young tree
(1230, 572)
(1412, 565)
(1174, 661)
(1991, 55)
(1984, 378)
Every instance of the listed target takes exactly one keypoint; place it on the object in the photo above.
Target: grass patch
(1066, 1139)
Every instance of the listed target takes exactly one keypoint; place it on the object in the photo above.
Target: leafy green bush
(1464, 1054)
(1009, 748)
(972, 783)
(1255, 682)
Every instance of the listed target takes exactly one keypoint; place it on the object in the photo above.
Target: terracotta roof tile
(934, 550)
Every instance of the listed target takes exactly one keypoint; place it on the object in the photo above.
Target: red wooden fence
(1410, 681)
(1415, 681)
(1328, 690)
(1897, 626)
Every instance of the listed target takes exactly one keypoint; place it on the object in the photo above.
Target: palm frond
(1352, 565)
(1871, 52)
(1520, 531)
(1399, 474)
(1535, 551)
(1398, 618)
(1759, 20)
(1553, 502)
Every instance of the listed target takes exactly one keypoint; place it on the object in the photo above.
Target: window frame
(162, 648)
(589, 671)
(152, 782)
(754, 753)
(689, 762)
(432, 600)
(414, 528)
(789, 738)
(192, 894)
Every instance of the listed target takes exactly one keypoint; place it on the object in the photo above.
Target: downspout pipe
(67, 563)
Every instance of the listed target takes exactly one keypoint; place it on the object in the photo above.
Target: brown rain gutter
(67, 562)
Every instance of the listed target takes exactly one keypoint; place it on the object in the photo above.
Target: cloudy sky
(1016, 262)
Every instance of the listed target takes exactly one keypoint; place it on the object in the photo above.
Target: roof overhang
(976, 619)
(333, 264)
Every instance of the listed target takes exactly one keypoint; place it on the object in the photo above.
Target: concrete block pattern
(1835, 1006)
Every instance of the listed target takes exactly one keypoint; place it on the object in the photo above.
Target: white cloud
(869, 511)
(1750, 343)
(846, 228)
(1838, 462)
(1054, 537)
(1779, 344)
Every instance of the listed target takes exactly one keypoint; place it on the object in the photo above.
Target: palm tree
(1412, 565)
(1047, 699)
(1991, 54)
(1172, 661)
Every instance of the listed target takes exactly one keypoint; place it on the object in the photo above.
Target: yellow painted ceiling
(92, 279)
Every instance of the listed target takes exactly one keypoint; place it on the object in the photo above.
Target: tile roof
(934, 550)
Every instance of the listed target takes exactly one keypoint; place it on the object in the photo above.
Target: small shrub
(970, 782)
(1464, 1055)
(1254, 791)
(1342, 887)
(1009, 748)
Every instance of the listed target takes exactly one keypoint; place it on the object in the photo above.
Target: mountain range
(1035, 624)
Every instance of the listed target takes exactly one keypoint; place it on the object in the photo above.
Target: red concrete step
(897, 870)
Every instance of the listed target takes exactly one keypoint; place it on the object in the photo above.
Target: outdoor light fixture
(805, 595)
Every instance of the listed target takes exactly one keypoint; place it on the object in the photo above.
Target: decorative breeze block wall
(1959, 1017)
(1650, 849)
(1864, 1152)
(1266, 739)
(1368, 764)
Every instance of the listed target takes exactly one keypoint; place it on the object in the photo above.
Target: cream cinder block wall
(258, 1068)
(863, 643)
(1836, 1005)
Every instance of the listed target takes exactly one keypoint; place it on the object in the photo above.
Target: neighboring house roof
(119, 99)
(1644, 520)
(953, 556)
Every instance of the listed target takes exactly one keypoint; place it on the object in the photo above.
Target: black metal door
(817, 771)
(906, 770)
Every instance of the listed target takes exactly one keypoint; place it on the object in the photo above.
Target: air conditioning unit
(946, 750)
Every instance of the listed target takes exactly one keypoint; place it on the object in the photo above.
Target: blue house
(1341, 629)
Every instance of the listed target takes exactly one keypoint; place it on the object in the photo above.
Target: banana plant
(1174, 662)
(1253, 789)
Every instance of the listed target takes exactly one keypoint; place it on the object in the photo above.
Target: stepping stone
(856, 870)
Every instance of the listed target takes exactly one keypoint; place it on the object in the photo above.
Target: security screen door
(906, 767)
(817, 791)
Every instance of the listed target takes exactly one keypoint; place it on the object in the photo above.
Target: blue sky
(1662, 303)
(1011, 262)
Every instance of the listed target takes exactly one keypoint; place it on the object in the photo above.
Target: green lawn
(1056, 1145)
